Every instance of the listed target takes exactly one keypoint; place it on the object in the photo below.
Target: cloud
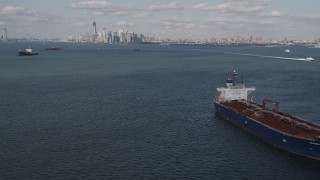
(91, 5)
(203, 7)
(234, 7)
(98, 8)
(97, 13)
(16, 10)
(79, 24)
(19, 13)
(172, 18)
(162, 6)
(121, 13)
(247, 6)
(175, 22)
(237, 15)
(102, 5)
(275, 13)
(305, 18)
(142, 15)
(239, 20)
(124, 23)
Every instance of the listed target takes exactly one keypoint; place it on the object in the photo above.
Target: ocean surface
(116, 113)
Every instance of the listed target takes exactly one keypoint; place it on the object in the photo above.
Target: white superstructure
(29, 50)
(234, 91)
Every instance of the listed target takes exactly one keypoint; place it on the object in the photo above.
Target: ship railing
(306, 126)
(288, 119)
(297, 124)
(250, 103)
(254, 105)
(282, 116)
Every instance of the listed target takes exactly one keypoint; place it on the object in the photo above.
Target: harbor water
(92, 111)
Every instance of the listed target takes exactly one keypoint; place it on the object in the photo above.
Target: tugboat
(27, 52)
(278, 128)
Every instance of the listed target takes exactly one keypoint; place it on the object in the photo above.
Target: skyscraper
(95, 35)
(4, 37)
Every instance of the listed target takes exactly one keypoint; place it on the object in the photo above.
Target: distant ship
(286, 50)
(268, 123)
(317, 46)
(309, 59)
(27, 52)
(164, 44)
(53, 48)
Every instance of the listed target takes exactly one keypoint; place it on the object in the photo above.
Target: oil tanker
(265, 121)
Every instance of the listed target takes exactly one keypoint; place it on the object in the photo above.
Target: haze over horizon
(270, 19)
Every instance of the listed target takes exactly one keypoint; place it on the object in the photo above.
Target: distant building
(87, 39)
(111, 37)
(115, 38)
(259, 39)
(122, 36)
(4, 37)
(95, 34)
(129, 37)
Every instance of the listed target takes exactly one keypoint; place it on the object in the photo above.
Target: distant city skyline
(270, 19)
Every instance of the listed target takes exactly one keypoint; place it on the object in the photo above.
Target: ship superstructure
(234, 90)
(267, 122)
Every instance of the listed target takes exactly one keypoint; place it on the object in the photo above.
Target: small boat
(309, 59)
(287, 51)
(53, 48)
(27, 52)
(266, 121)
(136, 49)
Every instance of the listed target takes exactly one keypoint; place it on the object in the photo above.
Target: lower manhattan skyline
(187, 19)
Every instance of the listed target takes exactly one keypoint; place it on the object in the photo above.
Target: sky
(174, 19)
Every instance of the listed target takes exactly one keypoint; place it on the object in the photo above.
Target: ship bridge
(234, 90)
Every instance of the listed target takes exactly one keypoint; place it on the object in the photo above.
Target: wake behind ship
(268, 123)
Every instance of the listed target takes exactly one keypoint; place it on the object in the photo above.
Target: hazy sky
(194, 19)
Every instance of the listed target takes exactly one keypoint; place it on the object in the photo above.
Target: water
(116, 113)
